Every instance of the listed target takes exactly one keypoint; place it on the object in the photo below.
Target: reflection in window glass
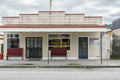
(59, 41)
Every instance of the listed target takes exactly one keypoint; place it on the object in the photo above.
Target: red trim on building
(50, 11)
(53, 26)
(10, 17)
(93, 17)
(28, 14)
(57, 11)
(74, 14)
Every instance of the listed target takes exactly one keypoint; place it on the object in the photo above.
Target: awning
(53, 29)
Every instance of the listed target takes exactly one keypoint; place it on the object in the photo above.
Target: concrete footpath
(59, 64)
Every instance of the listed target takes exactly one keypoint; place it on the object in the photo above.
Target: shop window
(59, 41)
(13, 41)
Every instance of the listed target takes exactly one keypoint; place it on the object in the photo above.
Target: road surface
(59, 74)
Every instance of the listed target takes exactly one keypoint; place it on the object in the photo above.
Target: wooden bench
(11, 52)
(58, 52)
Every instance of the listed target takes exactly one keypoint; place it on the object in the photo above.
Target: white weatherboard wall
(93, 20)
(106, 47)
(11, 20)
(23, 41)
(28, 19)
(53, 17)
(93, 49)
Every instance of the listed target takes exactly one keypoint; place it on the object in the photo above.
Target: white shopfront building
(37, 33)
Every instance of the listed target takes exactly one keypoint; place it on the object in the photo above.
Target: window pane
(12, 42)
(16, 35)
(65, 35)
(11, 35)
(53, 35)
(66, 43)
(54, 43)
(59, 40)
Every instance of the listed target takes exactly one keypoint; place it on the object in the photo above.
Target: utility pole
(101, 33)
(50, 7)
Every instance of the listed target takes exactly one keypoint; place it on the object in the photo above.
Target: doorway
(83, 47)
(34, 47)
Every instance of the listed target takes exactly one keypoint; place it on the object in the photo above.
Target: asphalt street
(59, 73)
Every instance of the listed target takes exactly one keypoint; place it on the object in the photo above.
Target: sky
(108, 9)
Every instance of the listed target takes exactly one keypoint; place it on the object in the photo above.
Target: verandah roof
(53, 28)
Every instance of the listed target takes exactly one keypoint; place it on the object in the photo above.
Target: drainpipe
(101, 61)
